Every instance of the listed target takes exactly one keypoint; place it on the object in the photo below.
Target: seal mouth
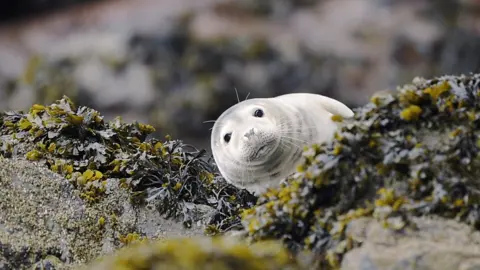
(260, 150)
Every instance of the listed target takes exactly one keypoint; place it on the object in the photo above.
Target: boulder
(435, 243)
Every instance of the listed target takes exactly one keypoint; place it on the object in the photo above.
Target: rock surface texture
(434, 244)
(43, 219)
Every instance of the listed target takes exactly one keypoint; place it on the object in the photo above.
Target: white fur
(289, 123)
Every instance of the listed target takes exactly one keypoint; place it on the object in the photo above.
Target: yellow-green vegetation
(215, 253)
(413, 152)
(77, 143)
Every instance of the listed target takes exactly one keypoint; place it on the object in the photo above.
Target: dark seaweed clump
(77, 143)
(412, 153)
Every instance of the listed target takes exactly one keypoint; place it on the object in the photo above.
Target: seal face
(258, 142)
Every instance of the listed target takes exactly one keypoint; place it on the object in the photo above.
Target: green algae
(411, 153)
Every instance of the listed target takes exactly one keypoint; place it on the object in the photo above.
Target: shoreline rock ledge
(396, 189)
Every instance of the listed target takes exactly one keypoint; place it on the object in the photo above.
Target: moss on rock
(216, 253)
(411, 153)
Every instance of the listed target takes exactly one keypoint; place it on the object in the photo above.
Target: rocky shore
(396, 189)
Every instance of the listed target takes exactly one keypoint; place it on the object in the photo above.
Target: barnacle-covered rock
(410, 153)
(202, 253)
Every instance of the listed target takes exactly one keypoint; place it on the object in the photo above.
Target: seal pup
(258, 142)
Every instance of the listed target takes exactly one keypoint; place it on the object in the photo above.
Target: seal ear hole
(227, 137)
(258, 113)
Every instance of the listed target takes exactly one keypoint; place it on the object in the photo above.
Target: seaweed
(411, 153)
(77, 143)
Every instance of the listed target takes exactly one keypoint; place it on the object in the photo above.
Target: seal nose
(249, 134)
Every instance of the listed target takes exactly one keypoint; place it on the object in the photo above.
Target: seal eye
(227, 137)
(258, 113)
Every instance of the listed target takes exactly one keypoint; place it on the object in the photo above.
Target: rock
(434, 244)
(44, 219)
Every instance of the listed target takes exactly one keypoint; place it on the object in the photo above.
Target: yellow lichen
(436, 91)
(206, 177)
(75, 119)
(455, 132)
(33, 155)
(409, 97)
(88, 174)
(411, 113)
(131, 238)
(337, 150)
(376, 100)
(177, 186)
(52, 147)
(101, 221)
(24, 124)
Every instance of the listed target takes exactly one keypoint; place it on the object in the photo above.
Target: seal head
(258, 142)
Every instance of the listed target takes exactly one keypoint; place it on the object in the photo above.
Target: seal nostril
(250, 132)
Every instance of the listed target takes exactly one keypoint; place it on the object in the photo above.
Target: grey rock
(43, 220)
(438, 244)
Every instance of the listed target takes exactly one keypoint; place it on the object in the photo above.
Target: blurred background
(176, 63)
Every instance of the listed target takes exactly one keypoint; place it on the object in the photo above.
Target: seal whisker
(291, 143)
(293, 132)
(285, 127)
(295, 139)
(236, 92)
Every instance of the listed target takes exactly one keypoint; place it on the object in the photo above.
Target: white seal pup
(258, 142)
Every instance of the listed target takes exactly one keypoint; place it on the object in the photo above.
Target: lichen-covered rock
(107, 185)
(435, 244)
(411, 153)
(77, 143)
(217, 253)
(44, 220)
